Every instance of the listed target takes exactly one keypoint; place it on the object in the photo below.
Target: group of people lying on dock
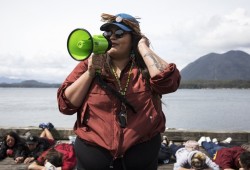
(44, 152)
(38, 152)
(217, 155)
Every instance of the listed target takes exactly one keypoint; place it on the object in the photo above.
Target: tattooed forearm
(156, 63)
(147, 54)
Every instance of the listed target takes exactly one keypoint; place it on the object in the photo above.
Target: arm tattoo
(157, 64)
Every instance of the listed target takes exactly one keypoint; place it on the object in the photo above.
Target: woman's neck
(120, 64)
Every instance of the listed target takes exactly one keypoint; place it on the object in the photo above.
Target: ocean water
(199, 109)
(208, 109)
(22, 107)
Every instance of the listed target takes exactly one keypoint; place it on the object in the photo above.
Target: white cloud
(34, 34)
(230, 31)
(187, 40)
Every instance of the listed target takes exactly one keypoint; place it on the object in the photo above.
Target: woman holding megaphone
(117, 98)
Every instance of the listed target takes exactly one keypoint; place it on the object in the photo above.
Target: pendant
(123, 117)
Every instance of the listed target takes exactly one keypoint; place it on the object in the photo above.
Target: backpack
(69, 158)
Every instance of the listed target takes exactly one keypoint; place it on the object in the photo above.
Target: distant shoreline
(185, 84)
(30, 84)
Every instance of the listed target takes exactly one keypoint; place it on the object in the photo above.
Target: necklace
(122, 91)
(122, 116)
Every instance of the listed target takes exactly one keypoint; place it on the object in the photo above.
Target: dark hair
(12, 134)
(245, 159)
(138, 58)
(54, 157)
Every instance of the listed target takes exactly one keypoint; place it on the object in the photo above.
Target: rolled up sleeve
(167, 81)
(64, 105)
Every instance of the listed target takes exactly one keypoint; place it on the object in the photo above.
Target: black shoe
(50, 126)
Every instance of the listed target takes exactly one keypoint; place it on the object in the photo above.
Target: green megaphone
(81, 44)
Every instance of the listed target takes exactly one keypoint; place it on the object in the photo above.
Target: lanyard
(123, 91)
(122, 116)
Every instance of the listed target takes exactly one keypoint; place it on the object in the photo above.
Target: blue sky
(33, 33)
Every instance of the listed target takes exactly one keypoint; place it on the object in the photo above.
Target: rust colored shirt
(97, 120)
(229, 157)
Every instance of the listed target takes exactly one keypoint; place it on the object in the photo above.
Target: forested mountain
(232, 65)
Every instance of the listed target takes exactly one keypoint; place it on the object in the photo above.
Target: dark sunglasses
(118, 33)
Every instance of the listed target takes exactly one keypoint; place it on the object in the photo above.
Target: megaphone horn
(81, 44)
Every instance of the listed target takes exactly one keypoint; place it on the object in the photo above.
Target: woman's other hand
(143, 41)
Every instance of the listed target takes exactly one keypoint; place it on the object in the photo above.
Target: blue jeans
(211, 148)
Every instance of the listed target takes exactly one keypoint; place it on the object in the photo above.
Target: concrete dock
(62, 134)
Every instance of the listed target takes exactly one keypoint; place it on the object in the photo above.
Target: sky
(34, 33)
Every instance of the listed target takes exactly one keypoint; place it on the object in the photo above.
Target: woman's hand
(143, 41)
(19, 159)
(154, 63)
(95, 63)
(28, 160)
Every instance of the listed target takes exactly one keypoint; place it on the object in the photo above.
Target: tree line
(213, 84)
(185, 84)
